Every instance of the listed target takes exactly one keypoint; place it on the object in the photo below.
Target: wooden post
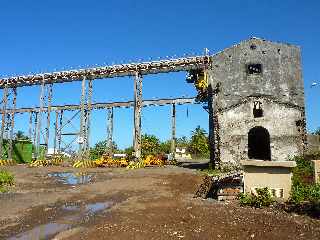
(173, 128)
(14, 102)
(137, 114)
(110, 130)
(4, 107)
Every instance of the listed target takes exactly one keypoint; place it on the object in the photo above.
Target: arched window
(259, 144)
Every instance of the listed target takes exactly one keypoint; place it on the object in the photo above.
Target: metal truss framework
(121, 70)
(46, 81)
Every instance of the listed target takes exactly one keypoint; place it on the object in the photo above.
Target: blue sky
(38, 36)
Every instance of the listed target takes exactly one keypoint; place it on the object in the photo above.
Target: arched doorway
(259, 144)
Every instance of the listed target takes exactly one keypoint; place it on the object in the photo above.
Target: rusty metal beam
(110, 131)
(30, 125)
(34, 129)
(127, 104)
(56, 124)
(88, 118)
(4, 108)
(82, 115)
(60, 130)
(14, 102)
(152, 67)
(38, 128)
(137, 114)
(48, 117)
(173, 130)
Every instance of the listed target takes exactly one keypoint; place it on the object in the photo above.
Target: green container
(22, 150)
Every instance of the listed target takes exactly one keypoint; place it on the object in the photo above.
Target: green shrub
(263, 198)
(303, 188)
(6, 178)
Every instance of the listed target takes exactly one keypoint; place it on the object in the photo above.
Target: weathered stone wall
(279, 87)
(279, 119)
(281, 75)
(313, 143)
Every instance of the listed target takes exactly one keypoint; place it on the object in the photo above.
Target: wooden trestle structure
(87, 76)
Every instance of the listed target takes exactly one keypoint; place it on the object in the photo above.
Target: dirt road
(152, 203)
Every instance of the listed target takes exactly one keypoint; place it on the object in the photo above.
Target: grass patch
(6, 180)
(263, 198)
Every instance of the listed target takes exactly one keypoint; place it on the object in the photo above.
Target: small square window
(254, 68)
(257, 109)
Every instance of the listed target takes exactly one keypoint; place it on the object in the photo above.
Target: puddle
(70, 178)
(78, 213)
(96, 207)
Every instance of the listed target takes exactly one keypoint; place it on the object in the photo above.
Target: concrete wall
(260, 174)
(316, 166)
(279, 87)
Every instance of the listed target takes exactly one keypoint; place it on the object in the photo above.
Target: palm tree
(20, 136)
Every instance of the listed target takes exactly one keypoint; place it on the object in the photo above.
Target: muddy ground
(152, 203)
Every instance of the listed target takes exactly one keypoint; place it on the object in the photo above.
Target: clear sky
(37, 36)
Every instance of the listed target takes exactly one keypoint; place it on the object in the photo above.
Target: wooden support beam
(137, 114)
(14, 102)
(173, 130)
(110, 131)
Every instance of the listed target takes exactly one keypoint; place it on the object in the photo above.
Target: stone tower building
(258, 101)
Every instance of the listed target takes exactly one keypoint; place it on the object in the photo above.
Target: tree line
(197, 145)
